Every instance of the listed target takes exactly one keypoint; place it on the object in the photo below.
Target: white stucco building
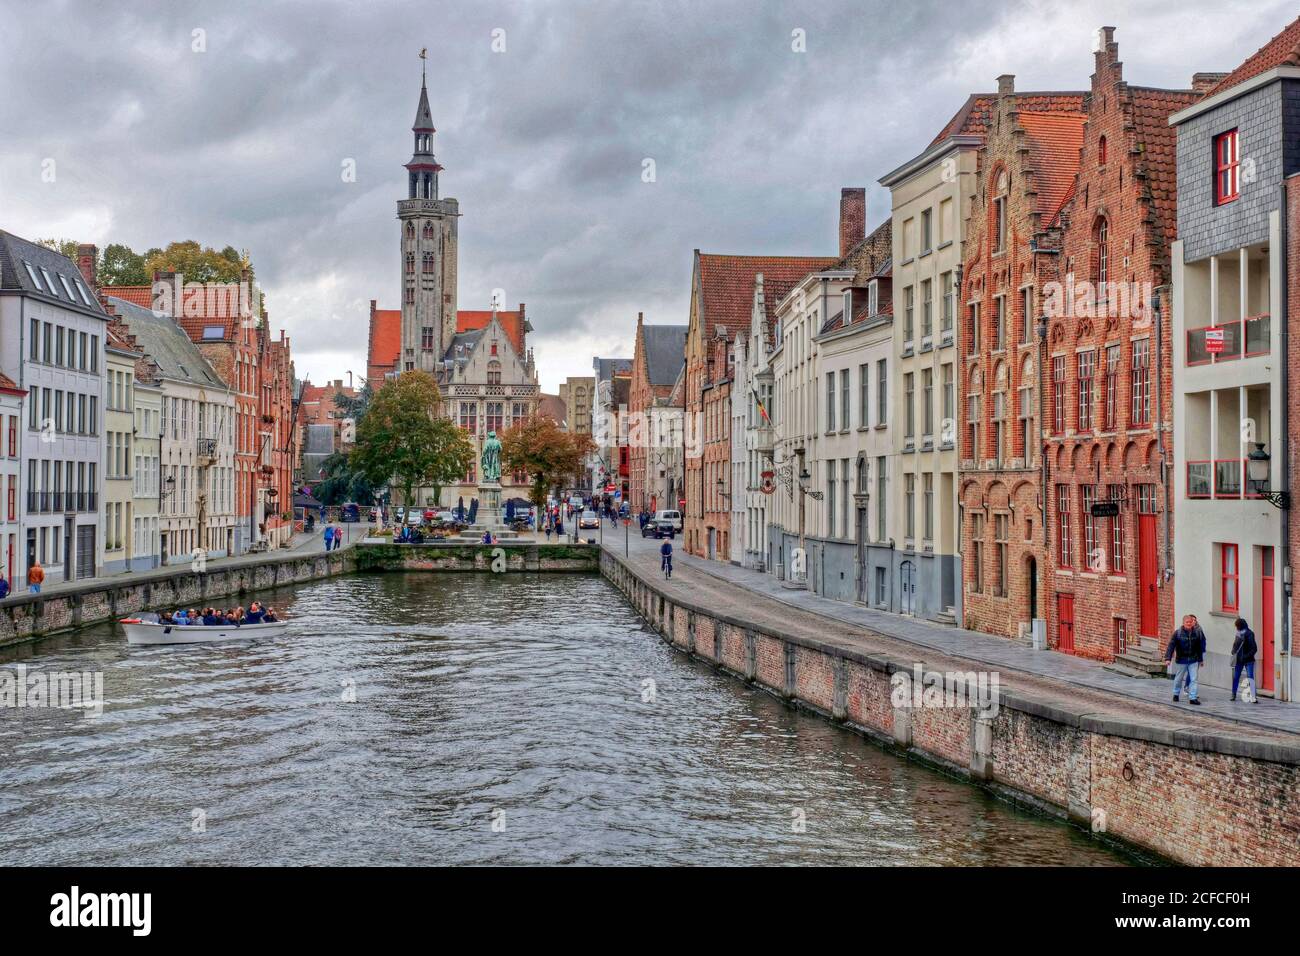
(53, 347)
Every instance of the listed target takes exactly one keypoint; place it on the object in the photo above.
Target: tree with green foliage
(197, 263)
(541, 448)
(64, 247)
(404, 442)
(120, 265)
(342, 484)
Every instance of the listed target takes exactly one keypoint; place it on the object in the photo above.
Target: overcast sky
(243, 142)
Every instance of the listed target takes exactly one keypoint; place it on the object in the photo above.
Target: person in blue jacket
(666, 558)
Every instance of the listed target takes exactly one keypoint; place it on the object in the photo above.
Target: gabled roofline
(1234, 92)
(930, 156)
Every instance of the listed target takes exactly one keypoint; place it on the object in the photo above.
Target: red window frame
(1065, 547)
(1117, 532)
(1229, 577)
(1058, 394)
(1227, 167)
(1140, 383)
(1087, 363)
(13, 436)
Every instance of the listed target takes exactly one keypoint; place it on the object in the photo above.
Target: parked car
(350, 514)
(414, 518)
(446, 517)
(589, 519)
(669, 517)
(651, 530)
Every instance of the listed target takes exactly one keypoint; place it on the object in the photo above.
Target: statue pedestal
(490, 515)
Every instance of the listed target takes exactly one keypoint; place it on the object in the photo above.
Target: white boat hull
(143, 632)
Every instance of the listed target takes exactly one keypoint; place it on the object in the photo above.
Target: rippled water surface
(497, 719)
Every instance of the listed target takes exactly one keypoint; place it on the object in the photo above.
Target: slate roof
(665, 351)
(423, 115)
(166, 344)
(16, 253)
(607, 368)
(1282, 50)
(727, 286)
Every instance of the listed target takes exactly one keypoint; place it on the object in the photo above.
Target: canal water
(467, 719)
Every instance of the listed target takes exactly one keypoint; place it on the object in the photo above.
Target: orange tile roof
(141, 295)
(1054, 143)
(471, 320)
(1159, 143)
(385, 344)
(727, 285)
(973, 117)
(1282, 50)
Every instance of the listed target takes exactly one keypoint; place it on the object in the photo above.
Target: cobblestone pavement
(759, 597)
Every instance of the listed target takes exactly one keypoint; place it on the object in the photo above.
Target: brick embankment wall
(1222, 795)
(506, 556)
(28, 617)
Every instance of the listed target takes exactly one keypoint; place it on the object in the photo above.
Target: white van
(673, 518)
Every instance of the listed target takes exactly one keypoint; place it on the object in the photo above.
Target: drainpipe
(1164, 457)
(1285, 437)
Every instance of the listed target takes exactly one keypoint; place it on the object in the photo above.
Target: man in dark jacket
(1187, 650)
(1243, 657)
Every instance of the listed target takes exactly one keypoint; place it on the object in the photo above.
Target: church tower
(428, 257)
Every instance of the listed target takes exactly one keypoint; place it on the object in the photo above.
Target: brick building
(1109, 378)
(1025, 173)
(657, 359)
(722, 289)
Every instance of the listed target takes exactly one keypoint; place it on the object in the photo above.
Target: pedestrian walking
(1186, 651)
(338, 537)
(1244, 649)
(4, 586)
(35, 577)
(329, 536)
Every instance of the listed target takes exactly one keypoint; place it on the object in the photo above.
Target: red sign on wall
(1214, 340)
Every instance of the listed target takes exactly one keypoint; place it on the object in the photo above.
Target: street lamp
(1257, 468)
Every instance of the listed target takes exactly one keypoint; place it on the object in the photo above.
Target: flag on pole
(762, 409)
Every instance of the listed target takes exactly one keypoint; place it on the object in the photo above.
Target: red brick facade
(1109, 368)
(1025, 171)
(714, 539)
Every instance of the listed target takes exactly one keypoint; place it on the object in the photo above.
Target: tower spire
(423, 168)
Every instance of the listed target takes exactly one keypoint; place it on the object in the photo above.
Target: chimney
(86, 255)
(1202, 83)
(1006, 84)
(853, 217)
(1106, 46)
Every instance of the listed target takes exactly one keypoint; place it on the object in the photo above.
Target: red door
(1065, 623)
(1264, 659)
(1148, 596)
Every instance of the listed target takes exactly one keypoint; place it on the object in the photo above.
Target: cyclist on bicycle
(666, 559)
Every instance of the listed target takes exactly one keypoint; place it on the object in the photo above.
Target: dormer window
(49, 283)
(873, 298)
(848, 306)
(36, 280)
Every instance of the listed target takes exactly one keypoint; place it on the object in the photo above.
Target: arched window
(428, 262)
(428, 230)
(410, 230)
(410, 263)
(1101, 151)
(494, 373)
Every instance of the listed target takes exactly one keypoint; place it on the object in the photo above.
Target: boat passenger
(271, 617)
(210, 618)
(255, 614)
(180, 617)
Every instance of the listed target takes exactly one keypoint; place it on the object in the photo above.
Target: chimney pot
(1006, 83)
(853, 217)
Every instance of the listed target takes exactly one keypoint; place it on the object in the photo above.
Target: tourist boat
(139, 630)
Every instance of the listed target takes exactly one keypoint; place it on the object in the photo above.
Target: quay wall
(28, 617)
(1192, 797)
